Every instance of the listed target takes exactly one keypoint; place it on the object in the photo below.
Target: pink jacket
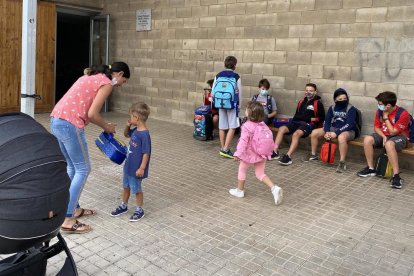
(244, 150)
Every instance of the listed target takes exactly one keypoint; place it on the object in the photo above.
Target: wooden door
(11, 51)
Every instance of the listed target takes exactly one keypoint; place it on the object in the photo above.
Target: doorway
(72, 50)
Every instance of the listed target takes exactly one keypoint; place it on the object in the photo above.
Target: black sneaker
(285, 161)
(226, 153)
(275, 155)
(396, 182)
(366, 172)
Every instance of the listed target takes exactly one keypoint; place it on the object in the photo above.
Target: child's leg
(277, 192)
(233, 123)
(222, 134)
(223, 127)
(295, 141)
(229, 138)
(139, 199)
(215, 121)
(243, 166)
(125, 195)
(279, 137)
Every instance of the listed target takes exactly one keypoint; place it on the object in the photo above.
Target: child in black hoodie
(309, 115)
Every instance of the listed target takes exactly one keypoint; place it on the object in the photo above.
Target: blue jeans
(73, 145)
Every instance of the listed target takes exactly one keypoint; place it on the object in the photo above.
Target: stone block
(199, 33)
(182, 54)
(405, 92)
(168, 33)
(173, 104)
(190, 44)
(253, 56)
(299, 57)
(328, 4)
(339, 44)
(312, 44)
(218, 66)
(356, 30)
(403, 44)
(245, 20)
(285, 70)
(189, 85)
(188, 65)
(294, 83)
(144, 81)
(243, 44)
(167, 54)
(208, 2)
(205, 65)
(314, 17)
(178, 115)
(160, 44)
(371, 15)
(349, 4)
(373, 89)
(206, 44)
(153, 72)
(337, 72)
(288, 44)
(237, 54)
(398, 75)
(250, 80)
(208, 22)
(403, 13)
(341, 16)
(275, 81)
(325, 58)
(158, 82)
(182, 33)
(199, 11)
(366, 74)
(326, 30)
(278, 6)
(262, 69)
(235, 32)
(183, 12)
(352, 87)
(275, 56)
(224, 44)
(146, 43)
(268, 19)
(175, 44)
(236, 9)
(216, 32)
(392, 29)
(161, 24)
(256, 7)
(302, 5)
(215, 55)
(266, 31)
(244, 68)
(165, 93)
(179, 94)
(325, 86)
(288, 18)
(166, 74)
(300, 31)
(286, 102)
(152, 91)
(226, 21)
(177, 3)
(175, 23)
(215, 10)
(264, 44)
(352, 59)
(191, 23)
(371, 45)
(310, 71)
(195, 97)
(173, 84)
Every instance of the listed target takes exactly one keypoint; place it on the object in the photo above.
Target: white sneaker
(277, 194)
(236, 192)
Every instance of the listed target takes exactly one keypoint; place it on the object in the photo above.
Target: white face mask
(263, 92)
(114, 81)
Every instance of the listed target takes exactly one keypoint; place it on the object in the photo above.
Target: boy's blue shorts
(132, 183)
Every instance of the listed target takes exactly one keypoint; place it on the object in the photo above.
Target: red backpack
(328, 152)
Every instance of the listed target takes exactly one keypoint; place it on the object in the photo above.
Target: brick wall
(364, 46)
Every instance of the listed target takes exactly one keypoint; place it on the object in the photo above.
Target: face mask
(263, 92)
(309, 95)
(381, 107)
(341, 104)
(114, 81)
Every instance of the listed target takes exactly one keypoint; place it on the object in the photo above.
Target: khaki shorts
(351, 134)
(228, 119)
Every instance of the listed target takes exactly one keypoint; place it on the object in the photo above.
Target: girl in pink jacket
(247, 156)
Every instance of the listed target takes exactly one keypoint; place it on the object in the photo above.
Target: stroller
(34, 193)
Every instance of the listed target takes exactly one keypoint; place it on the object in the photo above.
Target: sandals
(85, 212)
(77, 228)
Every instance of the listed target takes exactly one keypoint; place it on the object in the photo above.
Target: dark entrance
(72, 50)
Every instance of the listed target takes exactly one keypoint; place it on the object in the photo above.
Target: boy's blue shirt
(139, 143)
(341, 120)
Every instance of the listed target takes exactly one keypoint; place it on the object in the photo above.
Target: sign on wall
(144, 20)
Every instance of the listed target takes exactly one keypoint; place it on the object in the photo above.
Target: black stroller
(34, 193)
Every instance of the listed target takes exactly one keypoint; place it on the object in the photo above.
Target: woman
(78, 107)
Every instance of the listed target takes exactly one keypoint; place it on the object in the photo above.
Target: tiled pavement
(328, 224)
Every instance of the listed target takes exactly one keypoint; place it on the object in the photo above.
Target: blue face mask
(263, 92)
(381, 107)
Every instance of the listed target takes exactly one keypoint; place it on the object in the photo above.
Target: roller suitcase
(203, 123)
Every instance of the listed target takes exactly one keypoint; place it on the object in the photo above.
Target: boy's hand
(140, 172)
(128, 124)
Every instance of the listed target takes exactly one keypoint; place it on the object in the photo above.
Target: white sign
(144, 20)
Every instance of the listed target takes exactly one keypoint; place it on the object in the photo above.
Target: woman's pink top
(75, 104)
(244, 150)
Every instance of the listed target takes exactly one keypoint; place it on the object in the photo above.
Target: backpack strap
(269, 103)
(400, 110)
(254, 98)
(299, 104)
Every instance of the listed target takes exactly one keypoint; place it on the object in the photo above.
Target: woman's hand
(110, 128)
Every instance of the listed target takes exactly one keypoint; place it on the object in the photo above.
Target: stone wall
(364, 46)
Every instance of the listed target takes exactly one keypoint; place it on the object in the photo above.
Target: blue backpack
(400, 110)
(224, 91)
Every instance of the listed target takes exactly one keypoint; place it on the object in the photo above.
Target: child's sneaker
(277, 194)
(341, 167)
(366, 172)
(236, 192)
(396, 182)
(226, 153)
(275, 155)
(119, 211)
(138, 214)
(286, 160)
(310, 157)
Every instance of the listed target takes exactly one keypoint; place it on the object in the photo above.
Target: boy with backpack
(341, 122)
(267, 101)
(309, 115)
(226, 95)
(392, 128)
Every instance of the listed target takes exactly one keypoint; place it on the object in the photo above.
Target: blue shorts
(132, 183)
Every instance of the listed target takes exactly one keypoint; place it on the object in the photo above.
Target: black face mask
(341, 104)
